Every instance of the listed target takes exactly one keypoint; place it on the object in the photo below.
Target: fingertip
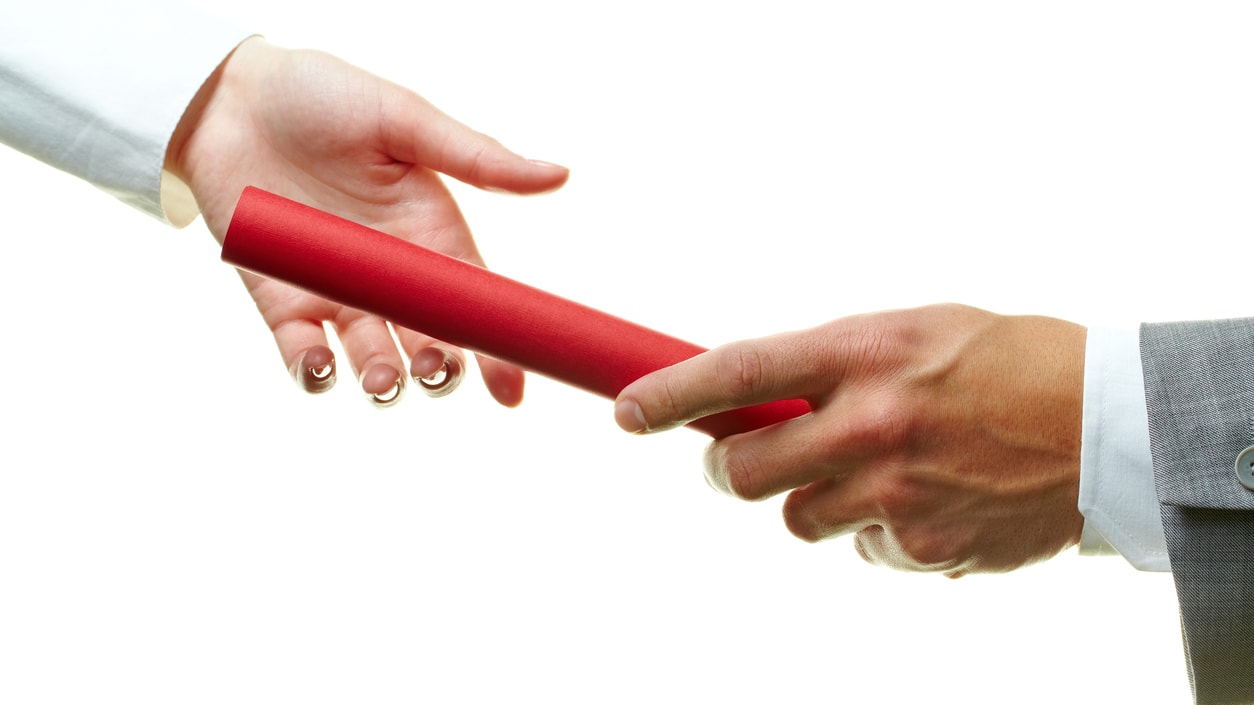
(508, 392)
(383, 385)
(535, 177)
(436, 372)
(629, 416)
(504, 382)
(549, 170)
(554, 176)
(315, 373)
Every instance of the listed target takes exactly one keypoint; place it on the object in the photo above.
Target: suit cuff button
(1245, 468)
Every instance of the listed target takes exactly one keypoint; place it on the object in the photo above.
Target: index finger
(729, 377)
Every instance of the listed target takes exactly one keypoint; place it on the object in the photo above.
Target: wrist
(213, 97)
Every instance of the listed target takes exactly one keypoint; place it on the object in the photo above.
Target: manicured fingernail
(317, 370)
(390, 397)
(436, 372)
(629, 417)
(383, 385)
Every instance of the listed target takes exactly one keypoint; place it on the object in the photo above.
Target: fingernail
(545, 165)
(390, 397)
(383, 385)
(317, 370)
(629, 417)
(436, 372)
(427, 363)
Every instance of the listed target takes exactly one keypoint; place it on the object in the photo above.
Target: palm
(322, 132)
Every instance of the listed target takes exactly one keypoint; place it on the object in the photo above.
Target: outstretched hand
(316, 129)
(946, 438)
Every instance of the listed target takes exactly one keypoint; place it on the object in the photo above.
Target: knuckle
(742, 479)
(872, 343)
(743, 371)
(477, 164)
(885, 424)
(735, 474)
(663, 403)
(669, 399)
(800, 519)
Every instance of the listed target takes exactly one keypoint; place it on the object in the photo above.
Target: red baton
(461, 303)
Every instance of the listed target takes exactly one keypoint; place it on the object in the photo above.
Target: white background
(178, 524)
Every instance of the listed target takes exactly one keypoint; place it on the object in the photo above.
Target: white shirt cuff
(96, 89)
(1117, 495)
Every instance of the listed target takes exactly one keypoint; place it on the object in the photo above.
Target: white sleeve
(1117, 495)
(96, 89)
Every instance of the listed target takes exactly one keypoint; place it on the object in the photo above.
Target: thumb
(417, 132)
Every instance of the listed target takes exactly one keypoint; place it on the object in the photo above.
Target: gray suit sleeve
(1199, 384)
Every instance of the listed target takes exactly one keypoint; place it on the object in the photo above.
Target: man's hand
(947, 438)
(315, 129)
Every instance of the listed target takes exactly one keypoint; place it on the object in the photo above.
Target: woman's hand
(315, 129)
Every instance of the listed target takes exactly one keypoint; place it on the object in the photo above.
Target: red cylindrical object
(461, 303)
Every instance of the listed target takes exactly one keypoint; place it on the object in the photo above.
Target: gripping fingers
(768, 461)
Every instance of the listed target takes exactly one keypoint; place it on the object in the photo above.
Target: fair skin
(946, 438)
(315, 129)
